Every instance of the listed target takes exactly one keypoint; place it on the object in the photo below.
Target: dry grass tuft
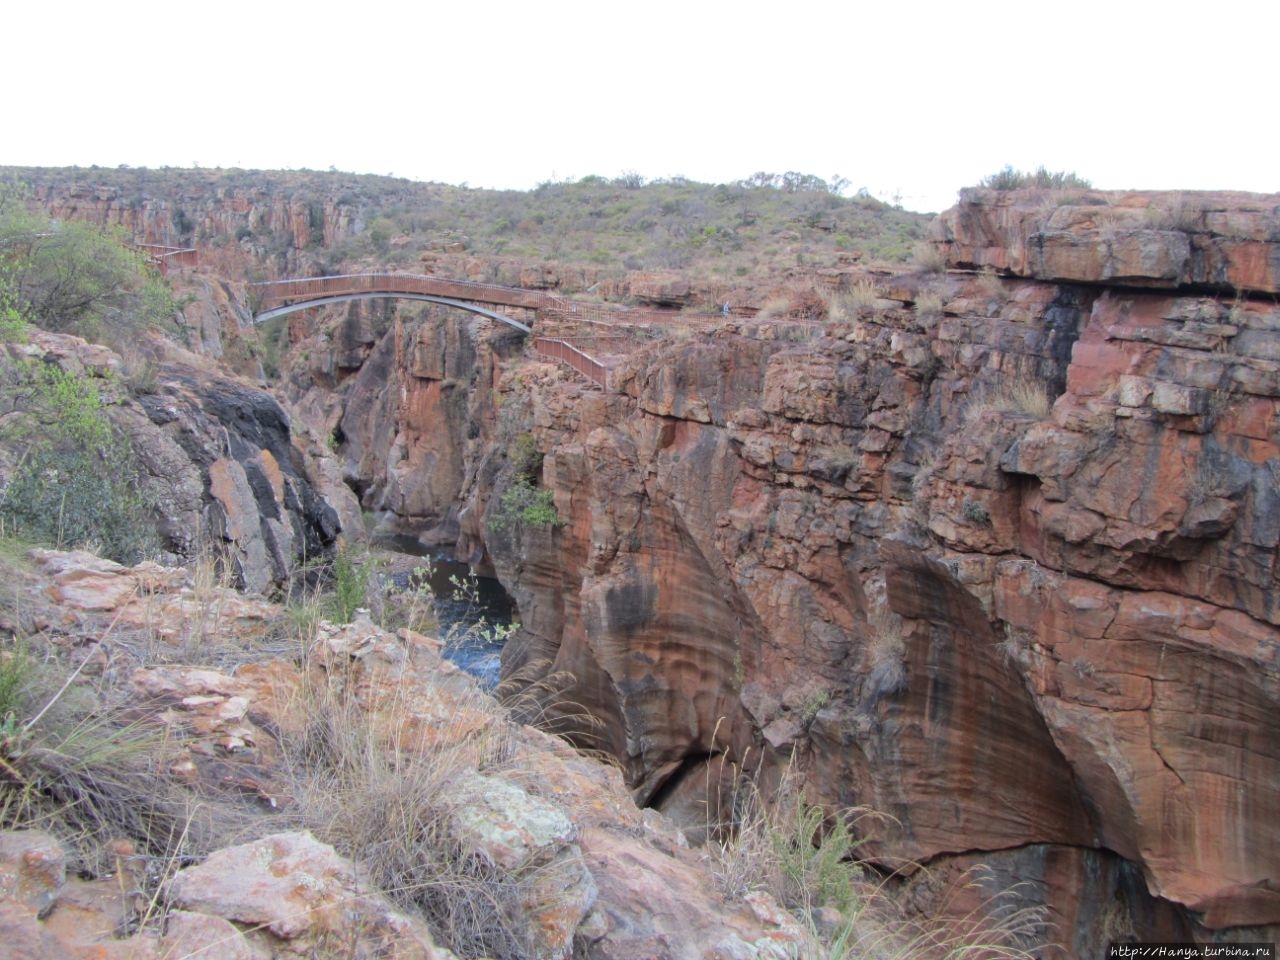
(94, 776)
(1021, 395)
(992, 286)
(379, 788)
(807, 860)
(534, 696)
(929, 307)
(775, 307)
(929, 257)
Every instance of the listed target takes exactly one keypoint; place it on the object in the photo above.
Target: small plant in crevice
(928, 257)
(523, 505)
(863, 298)
(812, 704)
(992, 287)
(975, 512)
(1021, 395)
(525, 456)
(929, 307)
(353, 574)
(886, 651)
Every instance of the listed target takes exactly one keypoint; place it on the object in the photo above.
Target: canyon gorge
(984, 546)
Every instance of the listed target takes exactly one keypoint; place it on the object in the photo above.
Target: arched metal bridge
(276, 298)
(279, 297)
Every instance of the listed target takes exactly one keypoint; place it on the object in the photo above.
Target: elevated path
(275, 298)
(278, 297)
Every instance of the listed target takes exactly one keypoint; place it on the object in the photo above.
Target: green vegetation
(808, 861)
(352, 573)
(77, 483)
(75, 277)
(521, 504)
(766, 221)
(1039, 179)
(15, 669)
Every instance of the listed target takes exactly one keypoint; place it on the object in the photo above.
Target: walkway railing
(585, 364)
(277, 296)
(164, 256)
(282, 291)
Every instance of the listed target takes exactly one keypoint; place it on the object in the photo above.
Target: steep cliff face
(258, 214)
(996, 557)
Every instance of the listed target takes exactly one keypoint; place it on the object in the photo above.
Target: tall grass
(378, 781)
(809, 862)
(86, 774)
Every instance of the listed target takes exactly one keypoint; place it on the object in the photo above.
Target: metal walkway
(276, 298)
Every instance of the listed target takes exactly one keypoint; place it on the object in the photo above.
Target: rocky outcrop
(266, 213)
(349, 734)
(289, 888)
(220, 465)
(995, 557)
(283, 896)
(1224, 242)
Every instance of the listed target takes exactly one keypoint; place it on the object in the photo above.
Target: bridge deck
(276, 297)
(274, 292)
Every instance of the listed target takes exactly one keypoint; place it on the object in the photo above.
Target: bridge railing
(585, 364)
(307, 287)
(165, 256)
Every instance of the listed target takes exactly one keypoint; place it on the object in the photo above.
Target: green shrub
(352, 573)
(77, 483)
(81, 498)
(525, 456)
(521, 504)
(77, 277)
(1040, 179)
(13, 324)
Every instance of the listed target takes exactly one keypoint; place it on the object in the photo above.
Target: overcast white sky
(907, 99)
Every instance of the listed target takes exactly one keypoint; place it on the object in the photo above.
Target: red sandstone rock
(842, 553)
(735, 536)
(1161, 240)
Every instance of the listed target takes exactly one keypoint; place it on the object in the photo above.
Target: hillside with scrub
(766, 222)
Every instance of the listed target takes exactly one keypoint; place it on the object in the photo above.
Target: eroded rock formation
(222, 469)
(996, 557)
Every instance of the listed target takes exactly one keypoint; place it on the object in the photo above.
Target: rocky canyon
(984, 547)
(995, 556)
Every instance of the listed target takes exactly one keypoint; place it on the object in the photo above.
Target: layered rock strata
(995, 557)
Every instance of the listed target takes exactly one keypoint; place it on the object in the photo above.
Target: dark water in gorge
(472, 611)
